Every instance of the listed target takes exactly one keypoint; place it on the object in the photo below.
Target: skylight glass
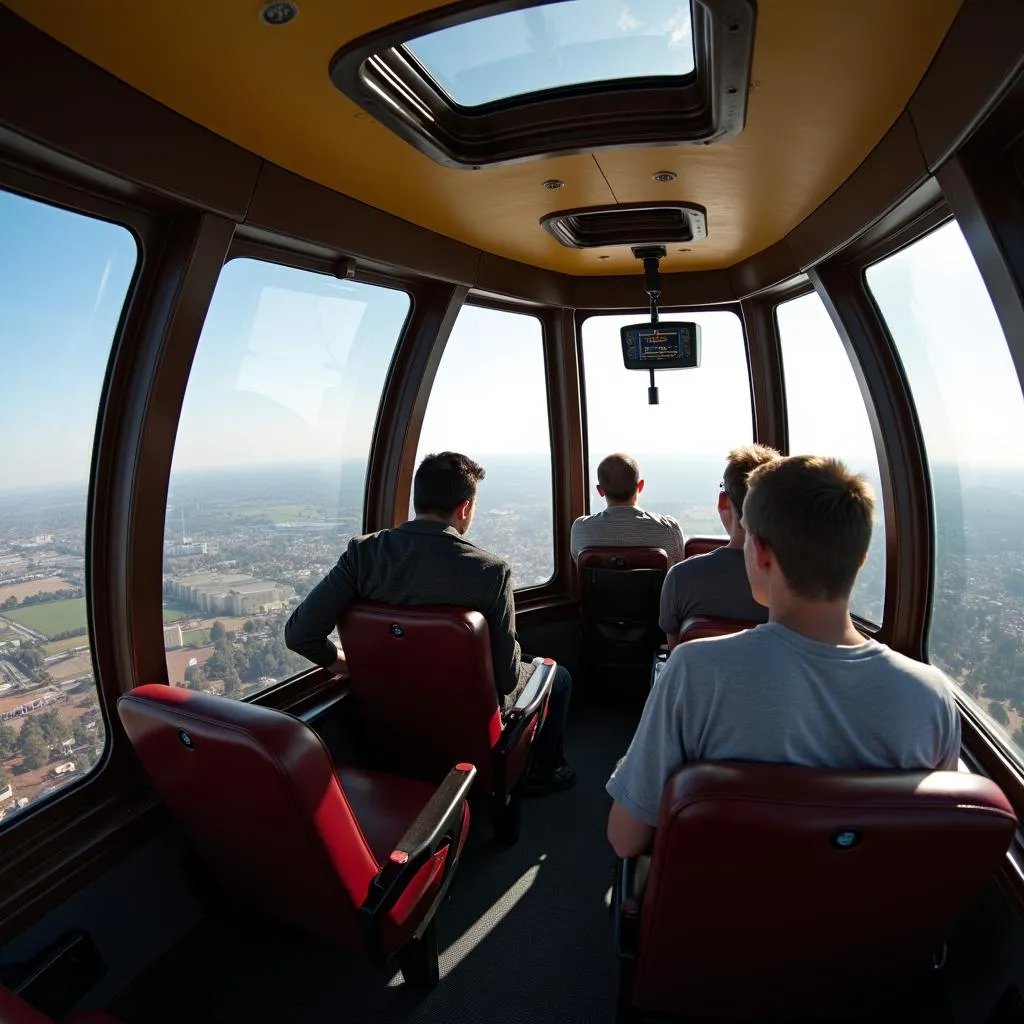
(573, 42)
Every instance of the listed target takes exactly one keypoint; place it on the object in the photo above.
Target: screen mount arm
(651, 255)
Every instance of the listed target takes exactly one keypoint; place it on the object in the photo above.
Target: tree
(217, 632)
(194, 677)
(249, 627)
(32, 744)
(8, 741)
(232, 684)
(5, 779)
(55, 729)
(81, 734)
(11, 602)
(998, 712)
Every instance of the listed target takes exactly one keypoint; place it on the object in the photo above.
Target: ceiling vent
(591, 227)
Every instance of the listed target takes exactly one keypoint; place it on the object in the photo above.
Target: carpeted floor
(524, 934)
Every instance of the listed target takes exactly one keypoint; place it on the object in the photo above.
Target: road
(24, 632)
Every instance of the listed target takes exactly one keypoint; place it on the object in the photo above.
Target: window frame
(582, 316)
(874, 630)
(709, 104)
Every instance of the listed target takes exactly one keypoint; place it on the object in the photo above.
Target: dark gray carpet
(525, 934)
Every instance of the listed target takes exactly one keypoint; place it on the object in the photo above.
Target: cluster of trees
(38, 734)
(30, 659)
(245, 663)
(42, 598)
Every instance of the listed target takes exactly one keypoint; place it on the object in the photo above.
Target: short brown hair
(741, 463)
(816, 517)
(443, 482)
(619, 475)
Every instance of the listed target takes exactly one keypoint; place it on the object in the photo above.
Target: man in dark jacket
(428, 561)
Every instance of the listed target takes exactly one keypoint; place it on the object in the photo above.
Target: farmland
(52, 618)
(19, 591)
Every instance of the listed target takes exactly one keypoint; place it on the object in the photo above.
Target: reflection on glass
(681, 443)
(269, 465)
(64, 278)
(559, 44)
(968, 400)
(489, 401)
(827, 416)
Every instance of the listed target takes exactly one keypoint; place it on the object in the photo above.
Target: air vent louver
(628, 224)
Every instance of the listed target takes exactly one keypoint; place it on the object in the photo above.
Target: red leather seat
(14, 1010)
(422, 681)
(699, 627)
(782, 891)
(700, 545)
(358, 858)
(620, 590)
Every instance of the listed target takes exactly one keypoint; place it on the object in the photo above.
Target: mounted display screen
(661, 346)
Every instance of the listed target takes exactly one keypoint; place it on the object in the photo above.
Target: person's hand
(340, 667)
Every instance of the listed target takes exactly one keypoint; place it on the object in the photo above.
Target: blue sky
(290, 365)
(558, 44)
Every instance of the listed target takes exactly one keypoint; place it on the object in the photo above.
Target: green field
(199, 637)
(175, 610)
(52, 617)
(65, 645)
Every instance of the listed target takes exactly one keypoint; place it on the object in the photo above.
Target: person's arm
(678, 554)
(951, 752)
(574, 540)
(310, 624)
(669, 621)
(654, 756)
(501, 623)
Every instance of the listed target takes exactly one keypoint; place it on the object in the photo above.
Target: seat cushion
(384, 805)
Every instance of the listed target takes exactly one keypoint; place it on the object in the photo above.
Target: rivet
(279, 12)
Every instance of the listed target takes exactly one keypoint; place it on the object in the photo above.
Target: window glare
(64, 278)
(969, 404)
(269, 465)
(557, 44)
(681, 443)
(827, 416)
(489, 401)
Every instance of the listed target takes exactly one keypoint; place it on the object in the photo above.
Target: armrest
(627, 898)
(439, 824)
(530, 702)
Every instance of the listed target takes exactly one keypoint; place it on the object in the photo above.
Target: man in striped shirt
(624, 523)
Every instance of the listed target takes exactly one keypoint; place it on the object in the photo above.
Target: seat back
(620, 590)
(701, 545)
(699, 627)
(422, 683)
(774, 889)
(257, 795)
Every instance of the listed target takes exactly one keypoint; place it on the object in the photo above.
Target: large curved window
(827, 416)
(64, 278)
(682, 442)
(969, 404)
(490, 401)
(269, 465)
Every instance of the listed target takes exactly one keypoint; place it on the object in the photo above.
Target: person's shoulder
(487, 560)
(916, 672)
(670, 521)
(713, 652)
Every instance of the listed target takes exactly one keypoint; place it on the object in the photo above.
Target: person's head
(741, 462)
(808, 524)
(445, 488)
(618, 479)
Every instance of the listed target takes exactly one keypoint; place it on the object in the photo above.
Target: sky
(555, 45)
(290, 365)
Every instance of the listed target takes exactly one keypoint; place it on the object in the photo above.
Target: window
(827, 416)
(969, 405)
(64, 278)
(485, 85)
(682, 442)
(269, 465)
(555, 45)
(490, 402)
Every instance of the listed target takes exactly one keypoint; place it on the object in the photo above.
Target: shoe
(541, 782)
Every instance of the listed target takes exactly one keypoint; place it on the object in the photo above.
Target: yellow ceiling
(829, 78)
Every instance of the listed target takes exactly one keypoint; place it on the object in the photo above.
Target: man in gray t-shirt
(716, 583)
(806, 688)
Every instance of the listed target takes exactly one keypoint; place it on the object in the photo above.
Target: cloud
(626, 22)
(679, 30)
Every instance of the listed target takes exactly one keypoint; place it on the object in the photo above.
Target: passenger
(624, 523)
(716, 583)
(428, 561)
(804, 689)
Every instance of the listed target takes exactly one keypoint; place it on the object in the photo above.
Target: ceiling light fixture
(279, 12)
(663, 177)
(554, 183)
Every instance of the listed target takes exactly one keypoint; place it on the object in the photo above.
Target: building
(228, 593)
(173, 638)
(185, 550)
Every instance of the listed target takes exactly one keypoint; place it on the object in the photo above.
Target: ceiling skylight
(571, 43)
